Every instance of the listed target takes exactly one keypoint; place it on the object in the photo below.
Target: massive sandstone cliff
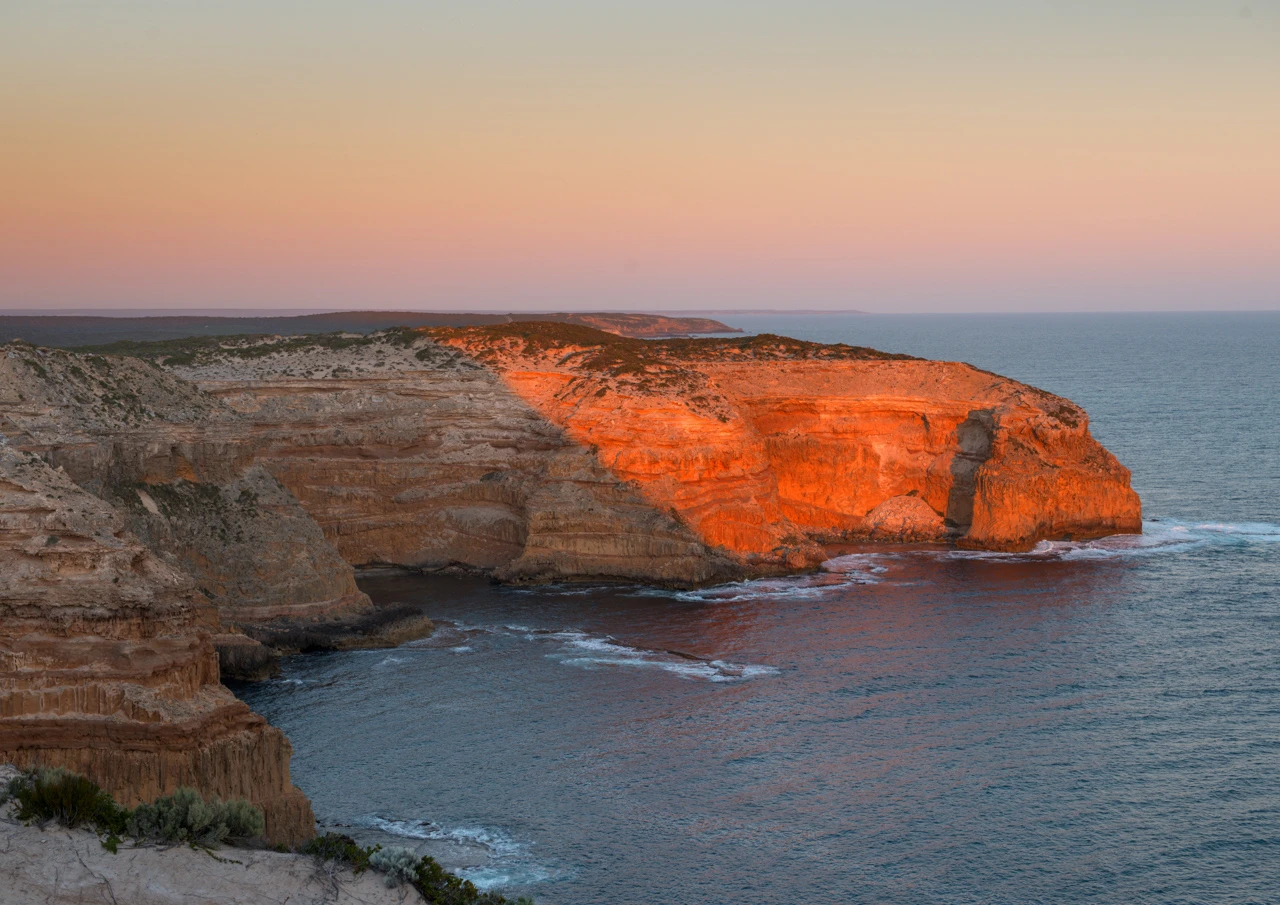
(181, 468)
(764, 443)
(544, 450)
(408, 454)
(107, 664)
(552, 450)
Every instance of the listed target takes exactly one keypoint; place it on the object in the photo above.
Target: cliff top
(94, 392)
(311, 356)
(595, 350)
(73, 330)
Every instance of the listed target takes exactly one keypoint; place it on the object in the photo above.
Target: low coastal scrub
(402, 866)
(68, 798)
(185, 817)
(341, 850)
(76, 801)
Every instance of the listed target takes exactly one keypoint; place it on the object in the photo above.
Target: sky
(666, 155)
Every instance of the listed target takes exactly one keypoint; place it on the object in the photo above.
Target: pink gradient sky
(1003, 156)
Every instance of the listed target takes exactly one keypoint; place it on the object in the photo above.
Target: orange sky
(379, 155)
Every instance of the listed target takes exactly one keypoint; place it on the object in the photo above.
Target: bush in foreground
(437, 885)
(185, 816)
(69, 798)
(77, 801)
(341, 850)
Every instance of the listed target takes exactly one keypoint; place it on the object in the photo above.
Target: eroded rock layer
(180, 467)
(434, 468)
(764, 445)
(107, 664)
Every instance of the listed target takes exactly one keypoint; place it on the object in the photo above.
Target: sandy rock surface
(57, 866)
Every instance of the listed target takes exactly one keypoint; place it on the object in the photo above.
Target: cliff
(107, 664)
(551, 450)
(181, 469)
(408, 454)
(764, 445)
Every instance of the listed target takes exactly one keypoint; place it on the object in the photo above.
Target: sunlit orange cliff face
(767, 446)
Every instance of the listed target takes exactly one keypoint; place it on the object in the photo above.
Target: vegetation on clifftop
(185, 817)
(618, 355)
(605, 362)
(76, 801)
(193, 350)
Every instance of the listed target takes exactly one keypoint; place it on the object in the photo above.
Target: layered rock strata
(181, 468)
(764, 445)
(409, 454)
(107, 663)
(541, 450)
(438, 468)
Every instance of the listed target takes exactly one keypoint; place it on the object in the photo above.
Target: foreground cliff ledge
(107, 664)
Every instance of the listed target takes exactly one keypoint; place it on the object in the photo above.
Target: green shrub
(401, 865)
(341, 849)
(398, 863)
(69, 798)
(439, 887)
(243, 820)
(185, 816)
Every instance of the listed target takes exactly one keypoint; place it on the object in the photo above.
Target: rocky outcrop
(550, 450)
(444, 466)
(180, 467)
(905, 519)
(107, 664)
(764, 445)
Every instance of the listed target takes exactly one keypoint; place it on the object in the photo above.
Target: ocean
(1091, 722)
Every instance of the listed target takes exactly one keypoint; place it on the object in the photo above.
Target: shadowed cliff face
(107, 664)
(764, 445)
(435, 468)
(973, 449)
(180, 469)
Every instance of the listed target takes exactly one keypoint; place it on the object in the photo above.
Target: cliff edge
(181, 469)
(107, 664)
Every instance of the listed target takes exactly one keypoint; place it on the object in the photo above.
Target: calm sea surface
(1090, 723)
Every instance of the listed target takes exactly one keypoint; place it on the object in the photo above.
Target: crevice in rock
(974, 436)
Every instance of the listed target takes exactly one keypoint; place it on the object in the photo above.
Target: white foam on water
(813, 586)
(587, 651)
(508, 862)
(449, 636)
(1159, 537)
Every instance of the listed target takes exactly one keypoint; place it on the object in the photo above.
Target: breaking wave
(575, 647)
(507, 861)
(592, 652)
(1160, 536)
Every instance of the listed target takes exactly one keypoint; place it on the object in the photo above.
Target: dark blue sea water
(1092, 723)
